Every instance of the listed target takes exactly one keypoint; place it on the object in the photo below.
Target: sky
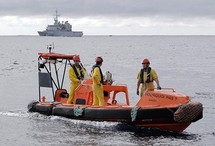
(110, 17)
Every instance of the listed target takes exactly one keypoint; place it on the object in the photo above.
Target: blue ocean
(185, 63)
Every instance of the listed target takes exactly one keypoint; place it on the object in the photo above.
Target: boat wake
(15, 114)
(86, 123)
(38, 116)
(24, 114)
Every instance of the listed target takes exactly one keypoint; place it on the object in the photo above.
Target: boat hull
(159, 117)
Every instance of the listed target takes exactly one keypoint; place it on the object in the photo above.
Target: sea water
(185, 63)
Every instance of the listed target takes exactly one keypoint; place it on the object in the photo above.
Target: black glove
(159, 87)
(138, 92)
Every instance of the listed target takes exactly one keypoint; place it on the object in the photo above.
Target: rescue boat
(164, 109)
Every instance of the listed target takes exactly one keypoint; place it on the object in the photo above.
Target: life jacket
(79, 76)
(94, 66)
(148, 76)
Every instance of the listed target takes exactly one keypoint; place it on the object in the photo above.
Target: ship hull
(61, 33)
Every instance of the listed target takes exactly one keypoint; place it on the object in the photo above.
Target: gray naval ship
(60, 29)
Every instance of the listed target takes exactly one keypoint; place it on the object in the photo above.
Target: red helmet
(145, 61)
(99, 59)
(76, 58)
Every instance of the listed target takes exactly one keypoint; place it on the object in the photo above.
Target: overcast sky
(105, 17)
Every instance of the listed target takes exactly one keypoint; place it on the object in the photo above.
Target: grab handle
(173, 90)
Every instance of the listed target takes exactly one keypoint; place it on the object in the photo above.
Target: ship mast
(56, 18)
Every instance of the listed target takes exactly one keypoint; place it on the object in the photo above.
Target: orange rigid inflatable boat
(165, 109)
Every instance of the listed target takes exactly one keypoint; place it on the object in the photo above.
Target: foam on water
(15, 114)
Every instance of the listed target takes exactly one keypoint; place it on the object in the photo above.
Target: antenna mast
(56, 17)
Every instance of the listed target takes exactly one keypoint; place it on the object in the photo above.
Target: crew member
(146, 76)
(97, 77)
(76, 75)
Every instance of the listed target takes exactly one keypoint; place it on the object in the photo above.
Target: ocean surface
(185, 63)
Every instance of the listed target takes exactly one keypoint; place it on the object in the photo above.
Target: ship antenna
(56, 17)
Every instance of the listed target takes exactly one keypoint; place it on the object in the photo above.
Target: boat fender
(134, 113)
(187, 113)
(31, 105)
(78, 111)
